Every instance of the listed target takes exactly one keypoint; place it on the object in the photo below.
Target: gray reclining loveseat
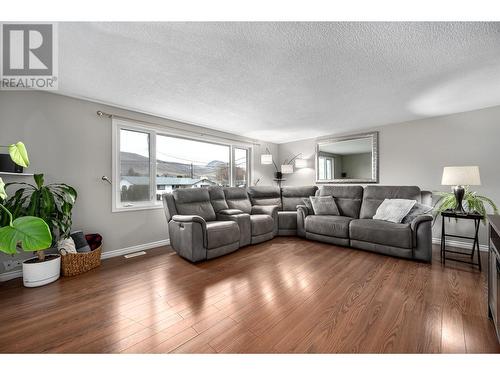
(356, 227)
(205, 223)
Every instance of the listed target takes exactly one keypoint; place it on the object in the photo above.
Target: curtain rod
(110, 115)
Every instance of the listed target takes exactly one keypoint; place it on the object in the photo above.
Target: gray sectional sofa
(205, 223)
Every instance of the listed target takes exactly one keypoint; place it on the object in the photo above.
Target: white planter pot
(38, 274)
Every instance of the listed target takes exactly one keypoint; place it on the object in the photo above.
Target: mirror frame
(374, 138)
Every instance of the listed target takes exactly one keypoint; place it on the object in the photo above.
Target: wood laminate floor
(287, 295)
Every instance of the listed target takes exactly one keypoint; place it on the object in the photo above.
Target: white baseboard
(107, 254)
(133, 249)
(11, 275)
(459, 244)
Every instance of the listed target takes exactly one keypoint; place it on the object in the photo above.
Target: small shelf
(15, 174)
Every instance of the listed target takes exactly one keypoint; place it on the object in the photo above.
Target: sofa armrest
(421, 228)
(302, 212)
(302, 209)
(230, 211)
(188, 236)
(420, 219)
(189, 219)
(264, 210)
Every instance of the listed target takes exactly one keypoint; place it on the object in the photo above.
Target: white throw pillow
(394, 210)
(66, 246)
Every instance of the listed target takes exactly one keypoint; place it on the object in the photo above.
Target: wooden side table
(475, 245)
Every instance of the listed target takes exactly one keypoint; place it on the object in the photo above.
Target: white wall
(69, 143)
(415, 152)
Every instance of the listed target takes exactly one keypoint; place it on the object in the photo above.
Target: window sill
(137, 208)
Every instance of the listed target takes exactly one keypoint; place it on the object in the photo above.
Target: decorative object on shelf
(455, 200)
(18, 155)
(53, 204)
(458, 177)
(26, 232)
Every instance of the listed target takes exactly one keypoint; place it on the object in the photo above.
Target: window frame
(119, 124)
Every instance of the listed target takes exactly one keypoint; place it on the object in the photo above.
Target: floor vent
(138, 254)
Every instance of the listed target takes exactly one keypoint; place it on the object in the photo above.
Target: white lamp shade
(286, 168)
(266, 159)
(461, 176)
(300, 163)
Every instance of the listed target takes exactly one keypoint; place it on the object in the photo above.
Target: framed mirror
(349, 159)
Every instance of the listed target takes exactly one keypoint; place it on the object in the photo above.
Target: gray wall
(415, 152)
(69, 143)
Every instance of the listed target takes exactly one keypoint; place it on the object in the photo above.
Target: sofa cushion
(195, 201)
(324, 206)
(334, 226)
(221, 233)
(348, 198)
(217, 198)
(309, 206)
(237, 197)
(292, 196)
(394, 210)
(373, 196)
(287, 219)
(265, 195)
(261, 224)
(381, 232)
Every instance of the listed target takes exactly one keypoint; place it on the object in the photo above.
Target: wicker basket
(75, 264)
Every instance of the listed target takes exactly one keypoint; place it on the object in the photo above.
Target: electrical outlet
(11, 264)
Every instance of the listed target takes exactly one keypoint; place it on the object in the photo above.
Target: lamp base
(278, 175)
(459, 192)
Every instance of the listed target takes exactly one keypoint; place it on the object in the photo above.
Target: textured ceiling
(284, 81)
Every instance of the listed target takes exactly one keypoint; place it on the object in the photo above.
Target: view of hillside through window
(180, 163)
(135, 167)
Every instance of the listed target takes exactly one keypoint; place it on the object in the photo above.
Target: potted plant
(473, 202)
(26, 232)
(53, 204)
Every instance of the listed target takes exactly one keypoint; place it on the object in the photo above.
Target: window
(325, 168)
(135, 168)
(186, 163)
(147, 163)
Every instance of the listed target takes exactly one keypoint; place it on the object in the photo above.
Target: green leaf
(38, 180)
(32, 233)
(19, 155)
(8, 240)
(3, 194)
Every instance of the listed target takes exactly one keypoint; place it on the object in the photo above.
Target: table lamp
(458, 177)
